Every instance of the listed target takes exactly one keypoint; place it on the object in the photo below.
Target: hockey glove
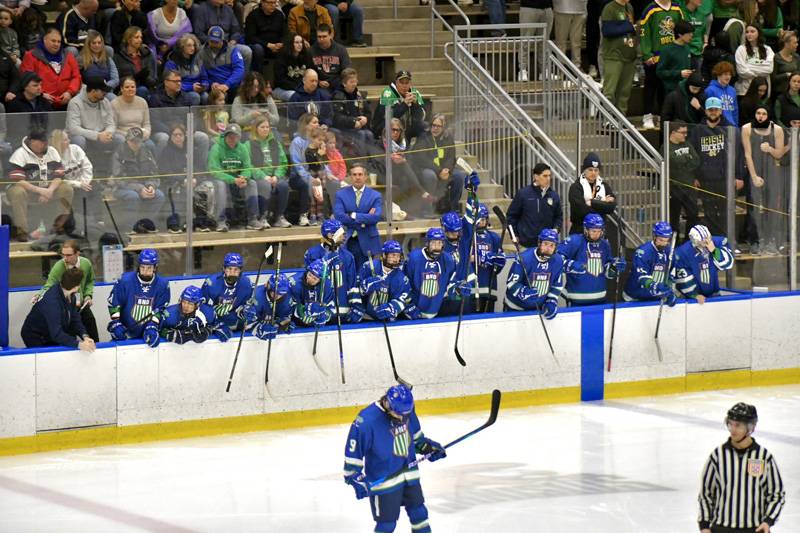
(332, 259)
(318, 313)
(472, 181)
(617, 266)
(432, 447)
(222, 332)
(359, 486)
(575, 267)
(464, 289)
(194, 325)
(117, 330)
(385, 312)
(413, 312)
(373, 284)
(550, 309)
(355, 315)
(659, 290)
(671, 299)
(249, 313)
(176, 336)
(531, 297)
(150, 335)
(497, 261)
(265, 331)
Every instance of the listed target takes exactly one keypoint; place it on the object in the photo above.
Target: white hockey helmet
(698, 234)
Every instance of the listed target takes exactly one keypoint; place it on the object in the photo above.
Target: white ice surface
(616, 466)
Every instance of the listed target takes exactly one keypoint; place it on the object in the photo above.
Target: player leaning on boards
(227, 292)
(741, 487)
(383, 441)
(649, 279)
(537, 283)
(698, 263)
(191, 319)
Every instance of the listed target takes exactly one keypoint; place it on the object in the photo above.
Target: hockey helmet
(548, 234)
(330, 225)
(742, 412)
(662, 229)
(451, 222)
(317, 268)
(148, 256)
(593, 221)
(483, 218)
(232, 259)
(280, 286)
(192, 294)
(434, 234)
(698, 234)
(400, 399)
(391, 247)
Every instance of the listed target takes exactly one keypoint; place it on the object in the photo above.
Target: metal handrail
(435, 14)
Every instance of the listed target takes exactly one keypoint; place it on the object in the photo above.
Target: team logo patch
(594, 264)
(379, 298)
(705, 274)
(549, 201)
(142, 307)
(659, 273)
(755, 467)
(402, 440)
(541, 283)
(430, 284)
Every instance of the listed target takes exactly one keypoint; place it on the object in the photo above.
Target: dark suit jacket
(365, 223)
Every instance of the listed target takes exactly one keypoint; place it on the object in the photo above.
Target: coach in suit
(358, 208)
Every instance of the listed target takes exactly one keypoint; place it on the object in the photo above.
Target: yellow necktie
(358, 197)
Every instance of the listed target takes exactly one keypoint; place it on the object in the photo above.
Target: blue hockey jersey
(488, 241)
(546, 276)
(649, 267)
(382, 448)
(345, 272)
(589, 287)
(173, 318)
(303, 294)
(283, 308)
(697, 272)
(430, 280)
(135, 303)
(395, 291)
(227, 301)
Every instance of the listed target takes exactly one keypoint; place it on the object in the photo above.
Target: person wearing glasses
(684, 162)
(264, 32)
(71, 258)
(169, 105)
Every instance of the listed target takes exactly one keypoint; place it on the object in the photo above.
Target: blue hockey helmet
(434, 234)
(593, 221)
(192, 294)
(400, 399)
(392, 247)
(330, 225)
(662, 229)
(148, 256)
(451, 222)
(317, 268)
(548, 234)
(232, 259)
(280, 286)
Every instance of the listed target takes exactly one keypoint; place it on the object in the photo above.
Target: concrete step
(422, 64)
(433, 77)
(404, 37)
(420, 50)
(403, 12)
(392, 25)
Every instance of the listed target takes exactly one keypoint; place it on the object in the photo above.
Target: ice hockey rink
(628, 465)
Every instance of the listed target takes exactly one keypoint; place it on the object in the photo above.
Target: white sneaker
(265, 222)
(647, 122)
(522, 75)
(303, 220)
(255, 224)
(282, 223)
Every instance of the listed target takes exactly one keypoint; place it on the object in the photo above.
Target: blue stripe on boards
(592, 352)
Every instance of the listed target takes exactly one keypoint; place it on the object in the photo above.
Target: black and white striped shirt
(740, 488)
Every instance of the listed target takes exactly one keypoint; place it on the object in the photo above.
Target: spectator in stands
(589, 194)
(139, 199)
(55, 320)
(74, 25)
(309, 98)
(9, 77)
(215, 115)
(166, 25)
(71, 259)
(330, 58)
(535, 207)
(721, 89)
(30, 28)
(747, 13)
(216, 14)
(352, 10)
(351, 115)
(223, 63)
(722, 12)
(770, 20)
(265, 31)
(300, 178)
(94, 62)
(683, 168)
(251, 103)
(305, 20)
(128, 14)
(788, 103)
(171, 105)
(717, 51)
(131, 111)
(29, 99)
(185, 60)
(569, 18)
(9, 42)
(407, 106)
(655, 18)
(757, 95)
(78, 170)
(496, 10)
(271, 170)
(229, 163)
(61, 77)
(335, 159)
(619, 52)
(292, 63)
(359, 209)
(172, 156)
(434, 160)
(753, 59)
(685, 103)
(413, 195)
(787, 61)
(696, 14)
(533, 11)
(90, 119)
(675, 60)
(36, 174)
(135, 59)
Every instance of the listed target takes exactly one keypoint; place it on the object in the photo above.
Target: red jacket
(53, 83)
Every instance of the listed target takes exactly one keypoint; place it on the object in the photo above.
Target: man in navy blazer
(359, 210)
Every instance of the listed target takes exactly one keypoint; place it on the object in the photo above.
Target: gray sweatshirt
(89, 119)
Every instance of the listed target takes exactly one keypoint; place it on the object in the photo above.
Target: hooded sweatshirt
(730, 105)
(677, 106)
(226, 163)
(87, 118)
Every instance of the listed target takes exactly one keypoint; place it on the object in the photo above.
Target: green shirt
(674, 58)
(623, 47)
(657, 25)
(698, 21)
(725, 12)
(57, 272)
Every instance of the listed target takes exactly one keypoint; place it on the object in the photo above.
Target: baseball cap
(134, 134)
(216, 33)
(96, 83)
(233, 128)
(402, 74)
(713, 103)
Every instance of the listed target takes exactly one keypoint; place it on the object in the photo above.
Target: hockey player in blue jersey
(137, 300)
(274, 294)
(649, 279)
(544, 269)
(431, 275)
(384, 286)
(313, 296)
(698, 262)
(191, 319)
(341, 264)
(457, 244)
(491, 258)
(589, 263)
(227, 292)
(383, 440)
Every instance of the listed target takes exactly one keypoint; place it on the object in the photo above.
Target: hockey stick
(661, 302)
(397, 377)
(274, 307)
(114, 221)
(469, 170)
(493, 280)
(493, 412)
(316, 327)
(267, 254)
(528, 283)
(620, 243)
(338, 319)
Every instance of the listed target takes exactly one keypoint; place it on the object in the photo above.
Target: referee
(741, 488)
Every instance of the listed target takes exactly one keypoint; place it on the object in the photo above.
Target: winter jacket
(37, 109)
(533, 210)
(147, 75)
(260, 28)
(301, 100)
(164, 117)
(121, 20)
(711, 143)
(55, 83)
(107, 71)
(412, 116)
(172, 162)
(225, 66)
(289, 69)
(191, 70)
(270, 155)
(141, 164)
(78, 170)
(347, 107)
(9, 76)
(88, 119)
(435, 154)
(730, 105)
(204, 15)
(226, 163)
(53, 321)
(786, 105)
(74, 28)
(298, 22)
(27, 166)
(577, 202)
(677, 106)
